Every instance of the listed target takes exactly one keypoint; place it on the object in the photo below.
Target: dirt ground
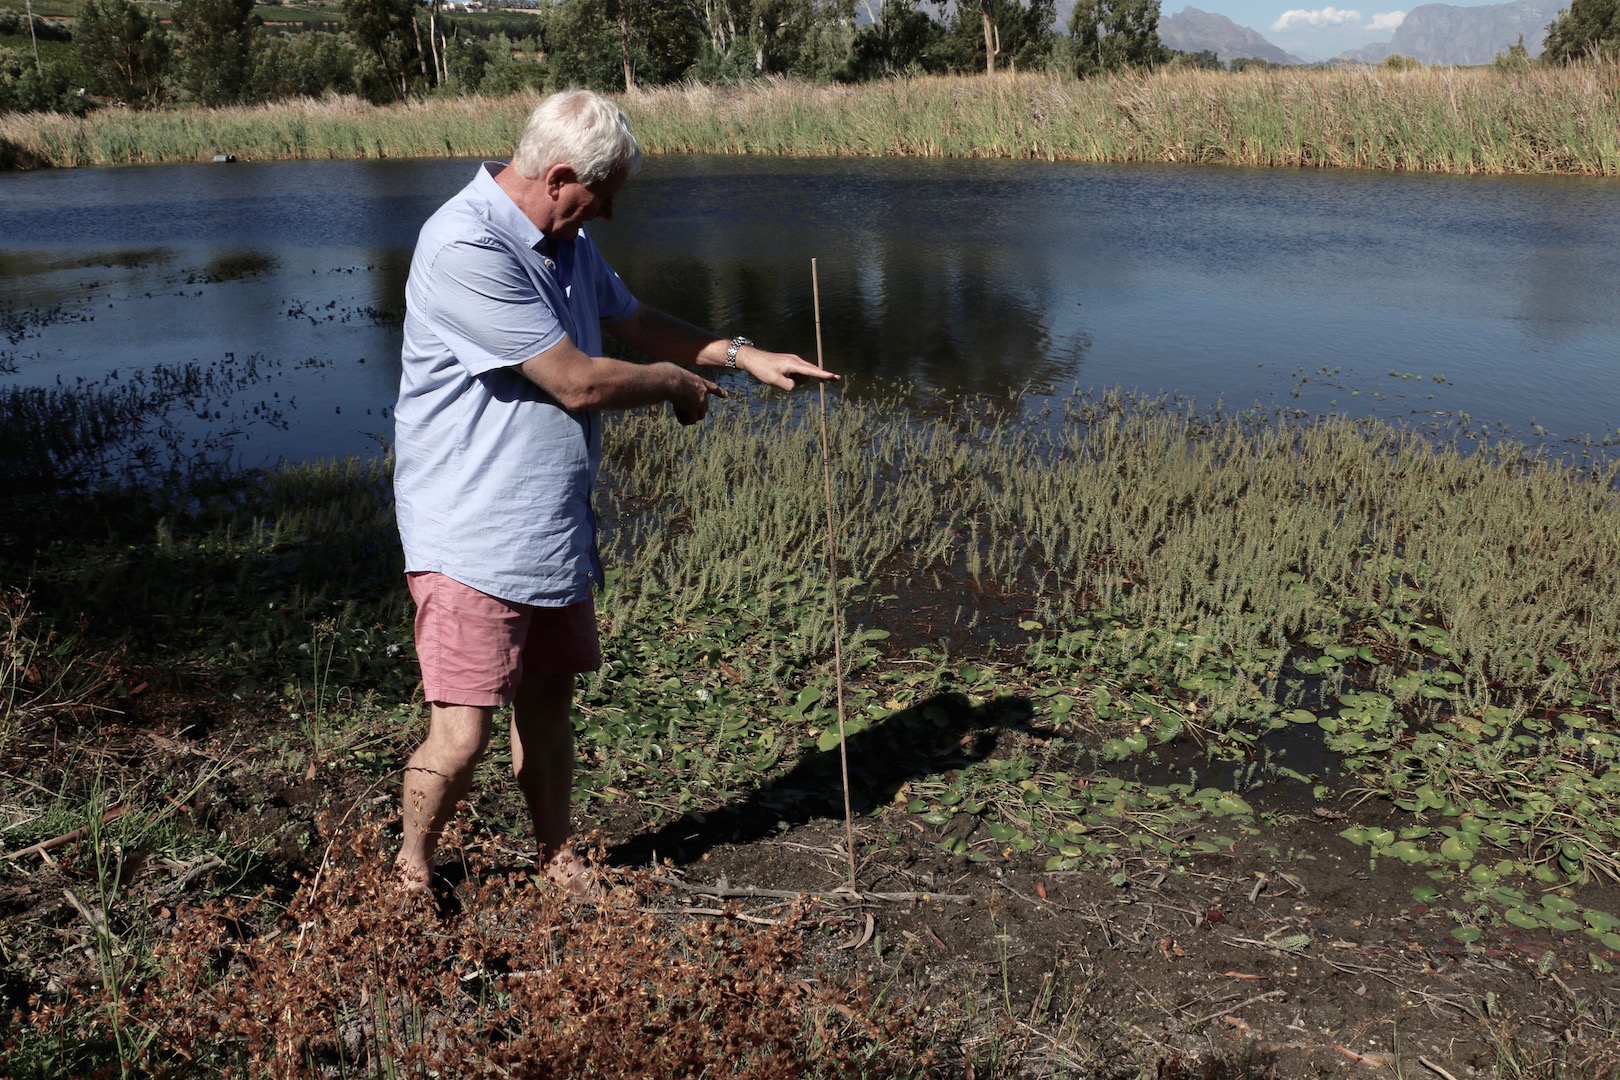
(1284, 955)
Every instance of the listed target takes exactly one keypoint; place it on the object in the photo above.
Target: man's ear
(558, 175)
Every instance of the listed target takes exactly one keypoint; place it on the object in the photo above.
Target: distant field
(1549, 120)
(285, 13)
(48, 50)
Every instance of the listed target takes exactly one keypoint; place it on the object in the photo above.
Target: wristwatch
(731, 350)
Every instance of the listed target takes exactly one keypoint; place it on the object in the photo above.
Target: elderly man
(498, 441)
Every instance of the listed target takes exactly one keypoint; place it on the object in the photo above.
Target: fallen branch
(1372, 1061)
(1267, 996)
(718, 913)
(1443, 1074)
(731, 892)
(113, 812)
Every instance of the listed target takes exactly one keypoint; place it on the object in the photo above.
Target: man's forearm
(664, 337)
(584, 382)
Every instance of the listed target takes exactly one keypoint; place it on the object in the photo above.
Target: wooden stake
(832, 584)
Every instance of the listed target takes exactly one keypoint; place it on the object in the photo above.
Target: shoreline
(1550, 121)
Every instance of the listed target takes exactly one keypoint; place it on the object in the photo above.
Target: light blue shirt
(492, 476)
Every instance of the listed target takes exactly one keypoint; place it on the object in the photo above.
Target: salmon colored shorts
(476, 649)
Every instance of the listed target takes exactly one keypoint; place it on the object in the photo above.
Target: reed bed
(1546, 120)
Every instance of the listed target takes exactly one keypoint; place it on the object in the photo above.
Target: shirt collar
(502, 210)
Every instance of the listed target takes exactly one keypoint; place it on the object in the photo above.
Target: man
(498, 441)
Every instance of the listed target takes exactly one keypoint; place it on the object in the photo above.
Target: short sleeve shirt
(492, 476)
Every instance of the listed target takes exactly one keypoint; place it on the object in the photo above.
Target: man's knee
(460, 735)
(545, 697)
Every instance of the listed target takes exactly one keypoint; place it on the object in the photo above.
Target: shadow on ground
(944, 732)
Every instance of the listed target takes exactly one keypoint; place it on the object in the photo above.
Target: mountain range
(1191, 30)
(1445, 34)
(1431, 33)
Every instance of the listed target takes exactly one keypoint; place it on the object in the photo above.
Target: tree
(1021, 34)
(29, 86)
(1585, 27)
(1515, 60)
(309, 64)
(124, 51)
(387, 31)
(1201, 59)
(583, 47)
(901, 40)
(215, 65)
(741, 39)
(1110, 35)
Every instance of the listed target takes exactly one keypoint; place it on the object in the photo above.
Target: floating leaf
(1522, 918)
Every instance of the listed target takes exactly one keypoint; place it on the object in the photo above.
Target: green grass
(1549, 120)
(1112, 583)
(1444, 617)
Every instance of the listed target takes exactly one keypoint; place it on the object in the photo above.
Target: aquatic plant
(1548, 120)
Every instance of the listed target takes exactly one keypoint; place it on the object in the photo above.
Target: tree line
(220, 52)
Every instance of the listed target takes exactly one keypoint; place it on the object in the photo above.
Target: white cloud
(1329, 18)
(1299, 18)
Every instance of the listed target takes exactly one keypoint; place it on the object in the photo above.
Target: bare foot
(411, 879)
(573, 875)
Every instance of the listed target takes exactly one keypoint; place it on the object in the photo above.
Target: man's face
(578, 203)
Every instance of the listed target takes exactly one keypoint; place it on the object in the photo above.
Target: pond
(1369, 294)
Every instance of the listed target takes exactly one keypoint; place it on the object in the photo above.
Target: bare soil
(1283, 955)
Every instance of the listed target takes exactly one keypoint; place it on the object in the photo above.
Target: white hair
(580, 129)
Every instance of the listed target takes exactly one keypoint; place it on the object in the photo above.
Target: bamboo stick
(832, 584)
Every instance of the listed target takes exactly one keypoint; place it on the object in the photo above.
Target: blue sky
(1311, 31)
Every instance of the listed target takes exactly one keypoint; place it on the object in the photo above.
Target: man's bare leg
(436, 779)
(543, 757)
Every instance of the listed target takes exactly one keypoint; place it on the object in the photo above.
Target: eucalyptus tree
(900, 39)
(1109, 35)
(391, 41)
(125, 53)
(216, 49)
(1583, 28)
(1017, 33)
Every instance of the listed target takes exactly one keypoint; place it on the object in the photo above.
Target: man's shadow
(944, 732)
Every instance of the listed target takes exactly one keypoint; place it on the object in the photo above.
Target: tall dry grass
(1546, 120)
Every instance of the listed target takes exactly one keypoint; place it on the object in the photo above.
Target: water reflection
(1385, 294)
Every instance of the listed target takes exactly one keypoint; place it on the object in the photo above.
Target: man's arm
(584, 382)
(663, 336)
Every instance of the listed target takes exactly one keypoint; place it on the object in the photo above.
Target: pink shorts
(476, 649)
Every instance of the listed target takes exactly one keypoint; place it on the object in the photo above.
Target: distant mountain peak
(1447, 34)
(1192, 30)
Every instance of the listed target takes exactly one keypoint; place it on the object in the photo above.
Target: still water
(1393, 295)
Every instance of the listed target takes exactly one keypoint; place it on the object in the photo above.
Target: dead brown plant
(503, 975)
